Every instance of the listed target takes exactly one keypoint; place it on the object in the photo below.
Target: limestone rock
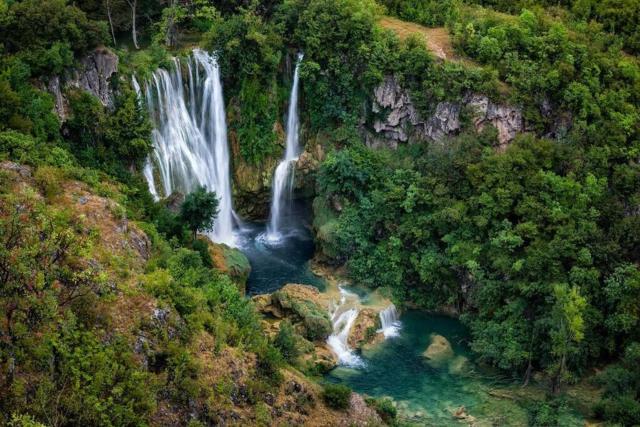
(365, 329)
(229, 261)
(174, 202)
(93, 75)
(505, 118)
(402, 123)
(439, 351)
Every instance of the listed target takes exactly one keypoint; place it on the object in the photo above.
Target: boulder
(229, 261)
(303, 305)
(365, 329)
(439, 350)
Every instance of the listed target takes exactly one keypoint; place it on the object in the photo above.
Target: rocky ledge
(93, 75)
(403, 123)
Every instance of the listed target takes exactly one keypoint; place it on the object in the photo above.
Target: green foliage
(426, 12)
(384, 407)
(248, 48)
(336, 396)
(545, 413)
(46, 33)
(113, 142)
(460, 212)
(620, 401)
(287, 342)
(256, 122)
(343, 58)
(199, 210)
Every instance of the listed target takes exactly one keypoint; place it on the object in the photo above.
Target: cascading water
(190, 135)
(285, 172)
(343, 316)
(390, 322)
(147, 171)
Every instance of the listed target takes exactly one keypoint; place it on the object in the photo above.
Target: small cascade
(284, 175)
(190, 135)
(343, 316)
(390, 322)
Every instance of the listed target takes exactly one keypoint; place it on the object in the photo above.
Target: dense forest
(533, 241)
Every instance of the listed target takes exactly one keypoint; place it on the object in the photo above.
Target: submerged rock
(439, 351)
(459, 365)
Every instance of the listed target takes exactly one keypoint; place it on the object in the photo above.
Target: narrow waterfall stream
(390, 322)
(285, 171)
(343, 315)
(190, 135)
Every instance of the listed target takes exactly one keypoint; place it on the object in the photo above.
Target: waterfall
(190, 135)
(147, 171)
(285, 172)
(390, 322)
(343, 316)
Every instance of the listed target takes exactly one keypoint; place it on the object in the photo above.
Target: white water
(284, 175)
(390, 322)
(343, 316)
(190, 135)
(147, 171)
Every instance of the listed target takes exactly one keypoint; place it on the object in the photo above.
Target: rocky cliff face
(93, 75)
(402, 122)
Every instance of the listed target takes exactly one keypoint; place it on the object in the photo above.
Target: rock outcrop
(94, 76)
(439, 350)
(230, 261)
(400, 121)
(365, 329)
(305, 307)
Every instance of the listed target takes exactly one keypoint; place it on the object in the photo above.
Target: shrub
(316, 327)
(384, 407)
(286, 342)
(49, 179)
(336, 396)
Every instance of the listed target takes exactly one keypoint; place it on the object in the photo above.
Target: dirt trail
(438, 39)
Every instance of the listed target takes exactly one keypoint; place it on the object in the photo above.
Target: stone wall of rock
(400, 121)
(93, 75)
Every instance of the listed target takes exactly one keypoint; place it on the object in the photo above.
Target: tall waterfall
(285, 172)
(190, 135)
(343, 316)
(390, 322)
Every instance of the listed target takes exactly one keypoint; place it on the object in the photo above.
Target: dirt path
(438, 39)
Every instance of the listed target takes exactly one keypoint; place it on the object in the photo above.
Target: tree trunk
(113, 34)
(134, 36)
(170, 36)
(527, 374)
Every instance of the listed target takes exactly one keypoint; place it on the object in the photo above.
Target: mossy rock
(230, 261)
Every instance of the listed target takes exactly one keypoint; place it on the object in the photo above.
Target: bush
(384, 407)
(316, 327)
(336, 396)
(286, 342)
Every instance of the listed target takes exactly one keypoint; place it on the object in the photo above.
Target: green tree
(567, 328)
(199, 210)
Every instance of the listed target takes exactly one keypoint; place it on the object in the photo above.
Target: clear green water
(425, 395)
(287, 261)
